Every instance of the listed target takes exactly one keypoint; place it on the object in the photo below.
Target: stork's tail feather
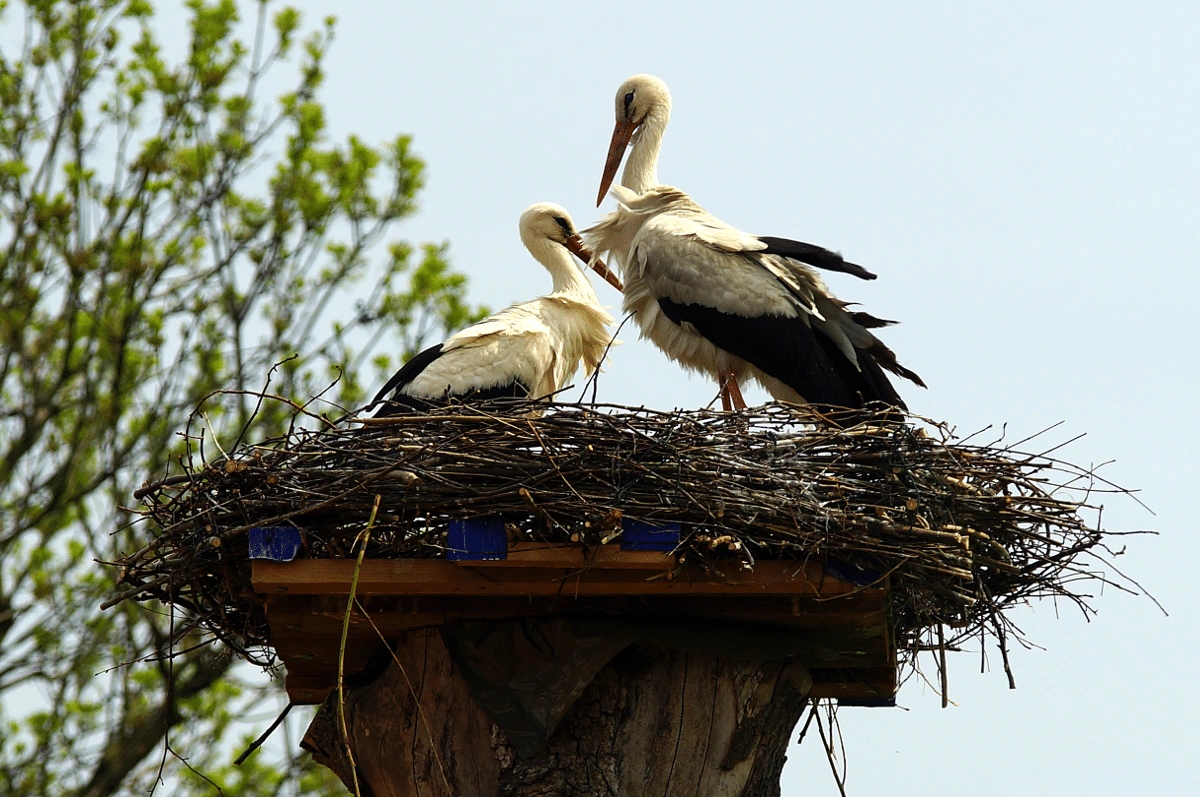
(886, 358)
(868, 321)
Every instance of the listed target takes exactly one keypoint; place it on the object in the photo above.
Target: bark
(653, 721)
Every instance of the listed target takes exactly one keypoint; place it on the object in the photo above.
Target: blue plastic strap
(644, 535)
(477, 539)
(276, 543)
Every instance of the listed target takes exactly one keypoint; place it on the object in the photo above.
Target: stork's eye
(566, 225)
(628, 101)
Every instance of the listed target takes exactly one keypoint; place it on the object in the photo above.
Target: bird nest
(961, 531)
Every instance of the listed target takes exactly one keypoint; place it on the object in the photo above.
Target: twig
(265, 735)
(829, 755)
(341, 688)
(941, 634)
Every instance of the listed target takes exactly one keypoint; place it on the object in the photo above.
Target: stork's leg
(735, 393)
(731, 394)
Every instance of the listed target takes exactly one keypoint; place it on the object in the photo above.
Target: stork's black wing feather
(813, 255)
(868, 381)
(792, 352)
(407, 373)
(401, 401)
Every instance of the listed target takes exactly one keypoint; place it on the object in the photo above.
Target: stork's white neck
(567, 277)
(641, 170)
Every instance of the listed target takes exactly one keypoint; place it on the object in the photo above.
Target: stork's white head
(546, 226)
(642, 101)
(640, 96)
(546, 221)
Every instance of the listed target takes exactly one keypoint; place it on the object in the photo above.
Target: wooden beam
(305, 605)
(860, 682)
(441, 577)
(576, 557)
(324, 614)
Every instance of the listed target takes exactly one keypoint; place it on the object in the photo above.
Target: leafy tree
(164, 234)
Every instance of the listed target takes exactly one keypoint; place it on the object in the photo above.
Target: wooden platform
(779, 608)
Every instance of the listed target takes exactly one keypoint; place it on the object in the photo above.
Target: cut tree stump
(653, 721)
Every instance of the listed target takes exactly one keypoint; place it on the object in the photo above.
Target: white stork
(531, 349)
(722, 301)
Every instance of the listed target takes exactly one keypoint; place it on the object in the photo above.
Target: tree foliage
(164, 233)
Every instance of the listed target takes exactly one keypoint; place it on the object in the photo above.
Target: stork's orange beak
(578, 248)
(616, 151)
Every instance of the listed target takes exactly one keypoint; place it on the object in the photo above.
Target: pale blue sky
(1023, 177)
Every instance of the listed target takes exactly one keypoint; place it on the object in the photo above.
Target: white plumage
(722, 301)
(529, 349)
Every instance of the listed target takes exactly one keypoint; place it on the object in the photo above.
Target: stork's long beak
(616, 150)
(578, 248)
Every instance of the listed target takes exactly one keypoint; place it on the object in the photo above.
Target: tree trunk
(653, 721)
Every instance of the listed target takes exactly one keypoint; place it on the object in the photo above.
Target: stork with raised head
(528, 350)
(722, 301)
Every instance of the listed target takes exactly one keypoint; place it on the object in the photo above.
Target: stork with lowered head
(528, 350)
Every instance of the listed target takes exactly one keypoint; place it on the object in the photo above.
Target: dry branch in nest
(961, 531)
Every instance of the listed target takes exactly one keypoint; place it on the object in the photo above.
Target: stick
(341, 688)
(259, 741)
